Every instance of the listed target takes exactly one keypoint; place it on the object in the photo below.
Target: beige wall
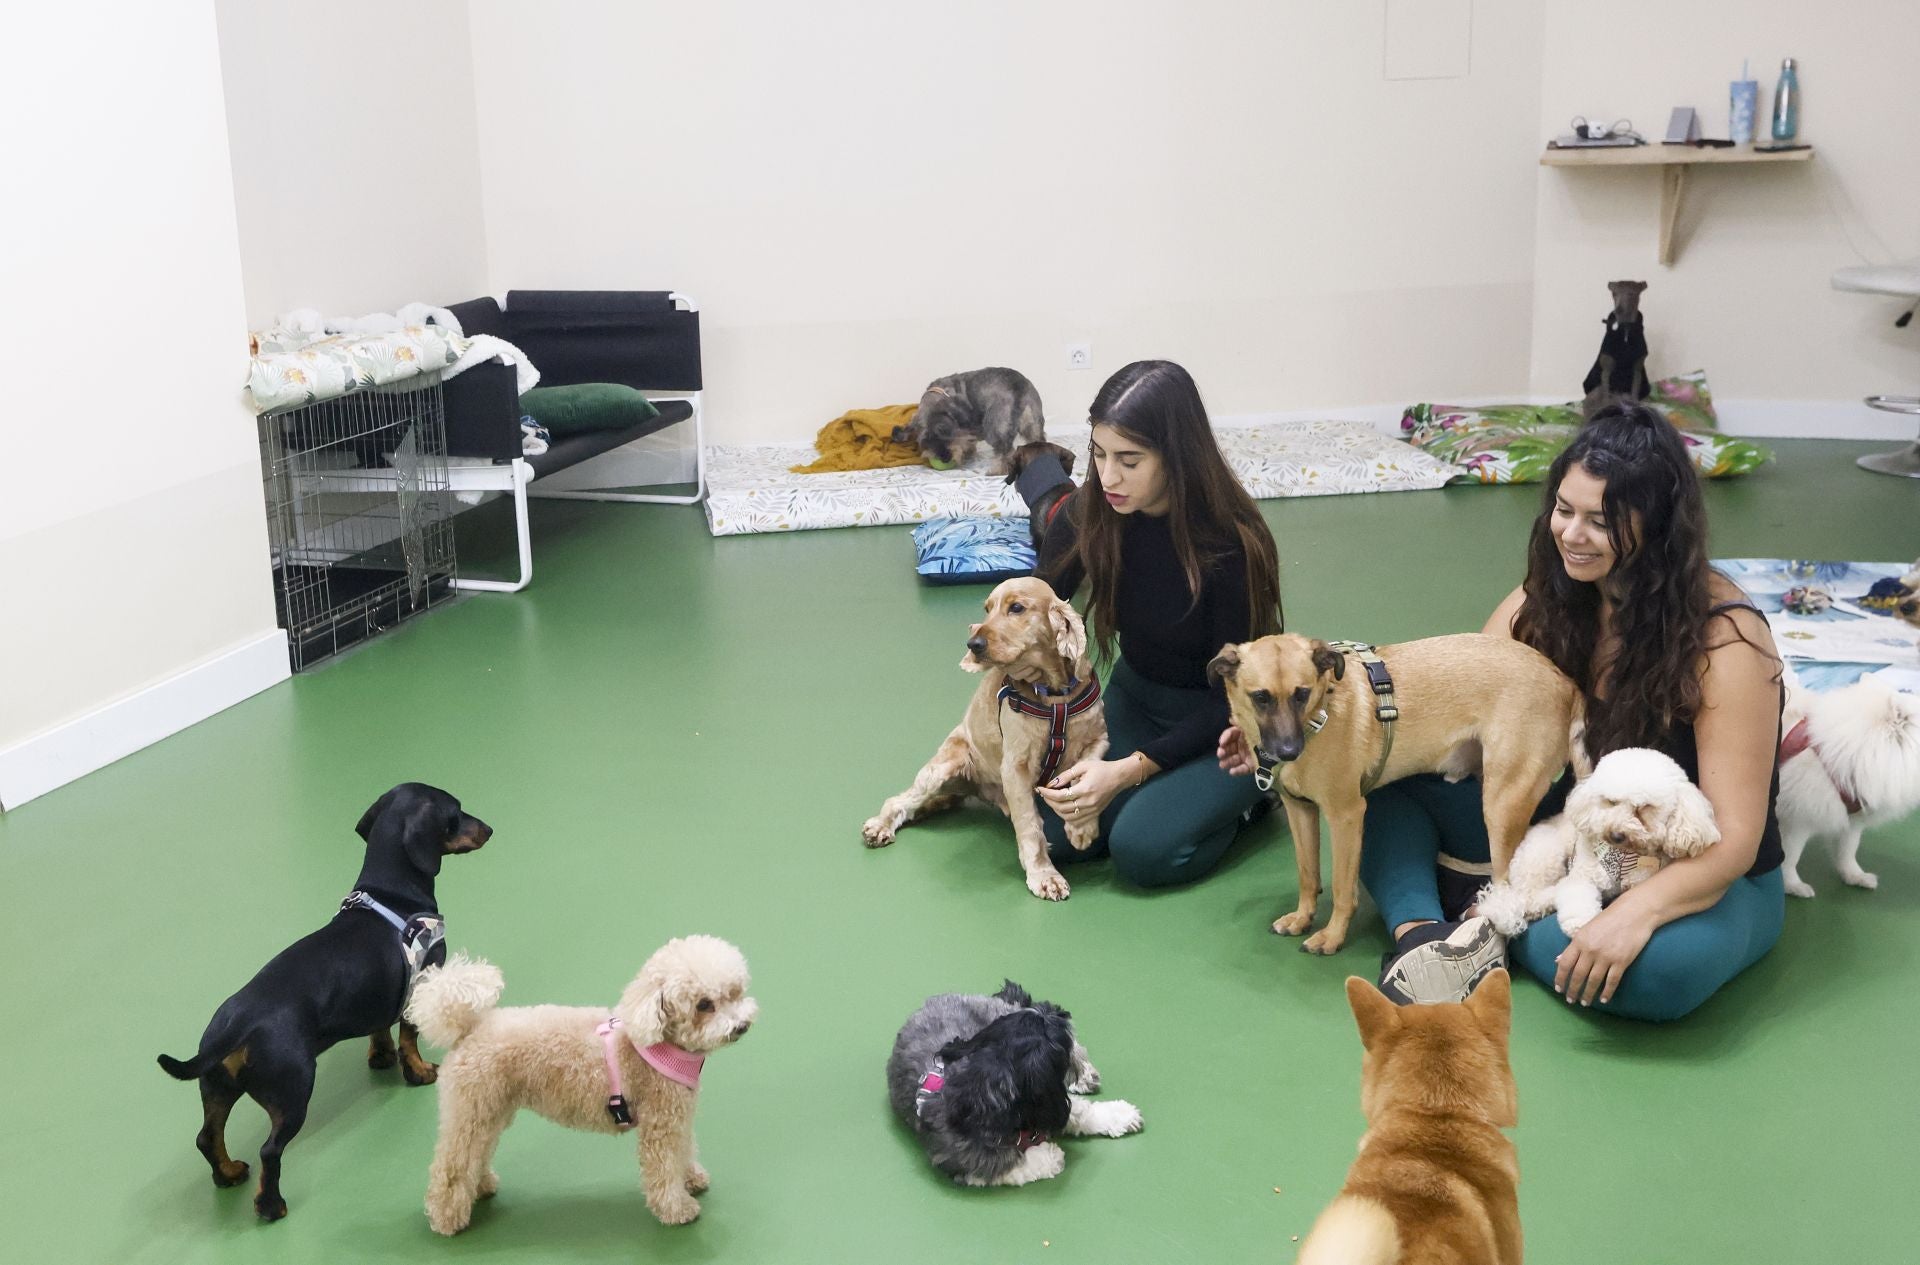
(132, 537)
(865, 196)
(355, 164)
(1748, 298)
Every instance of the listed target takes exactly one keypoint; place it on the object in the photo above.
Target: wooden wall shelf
(1674, 161)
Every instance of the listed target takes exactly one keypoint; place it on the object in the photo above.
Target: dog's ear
(1376, 1016)
(365, 828)
(1691, 828)
(1492, 1003)
(1067, 458)
(1069, 631)
(1326, 659)
(1222, 667)
(643, 1006)
(425, 830)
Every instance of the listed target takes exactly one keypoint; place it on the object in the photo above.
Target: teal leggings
(1176, 826)
(1411, 822)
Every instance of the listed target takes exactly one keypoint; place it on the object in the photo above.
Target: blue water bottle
(1786, 103)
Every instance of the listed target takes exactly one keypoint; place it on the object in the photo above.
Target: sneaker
(1444, 962)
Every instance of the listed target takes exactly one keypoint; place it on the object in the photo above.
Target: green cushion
(587, 406)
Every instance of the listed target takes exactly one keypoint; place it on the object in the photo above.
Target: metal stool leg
(1903, 461)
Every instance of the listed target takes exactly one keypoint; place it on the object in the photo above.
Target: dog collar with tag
(420, 935)
(664, 1057)
(1385, 709)
(931, 1084)
(1056, 715)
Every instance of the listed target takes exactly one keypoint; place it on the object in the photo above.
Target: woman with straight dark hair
(1668, 654)
(1176, 562)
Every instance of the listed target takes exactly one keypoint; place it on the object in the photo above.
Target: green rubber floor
(672, 733)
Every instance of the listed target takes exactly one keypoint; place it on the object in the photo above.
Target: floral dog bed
(1516, 443)
(752, 488)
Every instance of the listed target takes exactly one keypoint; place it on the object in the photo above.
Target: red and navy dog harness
(1056, 715)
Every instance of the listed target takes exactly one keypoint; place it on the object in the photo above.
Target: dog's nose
(740, 1029)
(977, 644)
(1289, 749)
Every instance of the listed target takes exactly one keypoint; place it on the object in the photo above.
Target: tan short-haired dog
(1468, 704)
(1036, 713)
(1437, 1182)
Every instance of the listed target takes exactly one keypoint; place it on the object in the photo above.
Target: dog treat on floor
(348, 979)
(635, 1067)
(1036, 712)
(1328, 722)
(1849, 762)
(986, 1083)
(1436, 1181)
(1633, 814)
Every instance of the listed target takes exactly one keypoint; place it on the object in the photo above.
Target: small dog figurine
(1850, 761)
(1437, 1182)
(637, 1067)
(1620, 370)
(1036, 711)
(1042, 474)
(986, 1082)
(957, 413)
(348, 979)
(1636, 812)
(1461, 705)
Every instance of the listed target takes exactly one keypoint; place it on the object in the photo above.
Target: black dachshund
(348, 979)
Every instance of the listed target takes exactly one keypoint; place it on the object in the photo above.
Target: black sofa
(645, 339)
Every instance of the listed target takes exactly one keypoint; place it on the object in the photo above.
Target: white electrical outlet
(1079, 355)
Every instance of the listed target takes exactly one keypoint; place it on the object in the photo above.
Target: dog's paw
(1048, 884)
(425, 1074)
(1081, 838)
(269, 1208)
(448, 1220)
(675, 1207)
(698, 1179)
(1041, 1161)
(381, 1059)
(1293, 924)
(877, 833)
(1323, 942)
(230, 1174)
(1799, 887)
(1860, 878)
(489, 1185)
(1114, 1119)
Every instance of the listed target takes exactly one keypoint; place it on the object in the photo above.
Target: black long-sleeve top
(1165, 635)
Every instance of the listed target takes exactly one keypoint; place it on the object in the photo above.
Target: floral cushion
(973, 550)
(1516, 443)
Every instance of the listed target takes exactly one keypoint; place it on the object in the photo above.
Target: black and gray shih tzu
(987, 1083)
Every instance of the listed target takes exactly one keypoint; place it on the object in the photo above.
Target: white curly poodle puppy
(1633, 814)
(635, 1067)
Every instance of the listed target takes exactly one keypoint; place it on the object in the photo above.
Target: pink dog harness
(1056, 715)
(664, 1057)
(1799, 739)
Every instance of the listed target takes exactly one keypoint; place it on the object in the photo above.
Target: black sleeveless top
(1679, 745)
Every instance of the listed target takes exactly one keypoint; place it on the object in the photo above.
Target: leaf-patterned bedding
(295, 367)
(751, 489)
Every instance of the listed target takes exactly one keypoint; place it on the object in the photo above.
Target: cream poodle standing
(581, 1067)
(1636, 812)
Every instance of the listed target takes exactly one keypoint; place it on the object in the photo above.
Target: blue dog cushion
(973, 550)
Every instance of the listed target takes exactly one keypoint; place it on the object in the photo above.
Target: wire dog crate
(359, 514)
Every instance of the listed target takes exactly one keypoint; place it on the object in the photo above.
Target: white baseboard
(39, 764)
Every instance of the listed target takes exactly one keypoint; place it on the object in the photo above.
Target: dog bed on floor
(973, 550)
(1843, 643)
(751, 488)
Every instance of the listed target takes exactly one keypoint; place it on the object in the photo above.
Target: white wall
(132, 534)
(355, 163)
(1748, 297)
(865, 196)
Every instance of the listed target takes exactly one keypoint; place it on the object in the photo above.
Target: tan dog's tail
(1577, 740)
(1354, 1230)
(449, 1001)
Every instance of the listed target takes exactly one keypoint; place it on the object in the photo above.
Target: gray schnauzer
(997, 407)
(985, 1082)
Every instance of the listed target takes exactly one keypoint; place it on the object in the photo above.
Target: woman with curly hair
(1669, 654)
(1176, 562)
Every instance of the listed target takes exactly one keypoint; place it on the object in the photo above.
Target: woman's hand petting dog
(1600, 953)
(1083, 792)
(1235, 753)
